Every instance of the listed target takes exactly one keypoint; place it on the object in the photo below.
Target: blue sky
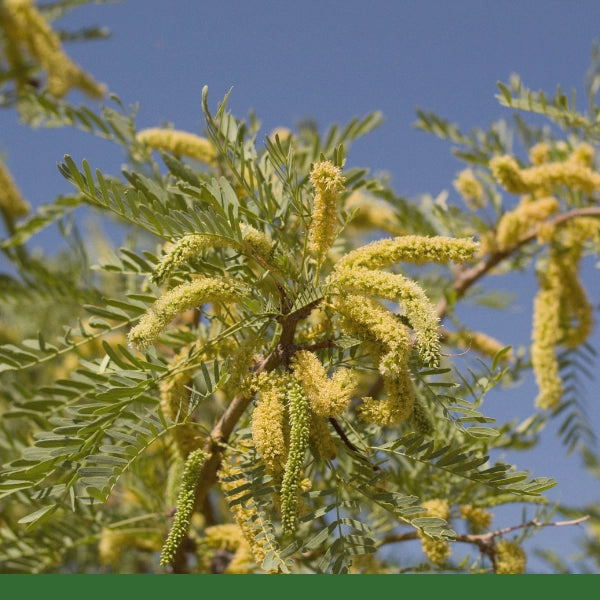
(333, 60)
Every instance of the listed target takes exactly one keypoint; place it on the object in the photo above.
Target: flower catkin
(185, 506)
(187, 295)
(327, 397)
(418, 309)
(369, 320)
(574, 173)
(299, 435)
(26, 31)
(268, 420)
(180, 143)
(327, 181)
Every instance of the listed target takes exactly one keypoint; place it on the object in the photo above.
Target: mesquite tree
(270, 374)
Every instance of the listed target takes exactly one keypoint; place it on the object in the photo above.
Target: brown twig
(484, 541)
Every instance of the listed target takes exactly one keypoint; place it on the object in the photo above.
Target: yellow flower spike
(299, 434)
(187, 295)
(327, 181)
(268, 422)
(174, 403)
(368, 319)
(409, 248)
(26, 28)
(12, 203)
(470, 189)
(546, 335)
(510, 558)
(418, 308)
(519, 221)
(185, 506)
(396, 407)
(180, 143)
(327, 397)
(571, 173)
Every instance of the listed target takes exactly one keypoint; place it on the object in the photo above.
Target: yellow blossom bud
(510, 558)
(327, 181)
(187, 295)
(470, 189)
(180, 143)
(327, 397)
(229, 536)
(12, 203)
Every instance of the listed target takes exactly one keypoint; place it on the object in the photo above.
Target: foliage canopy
(268, 375)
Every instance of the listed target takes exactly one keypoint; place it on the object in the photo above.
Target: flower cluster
(180, 143)
(28, 36)
(185, 296)
(575, 173)
(327, 181)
